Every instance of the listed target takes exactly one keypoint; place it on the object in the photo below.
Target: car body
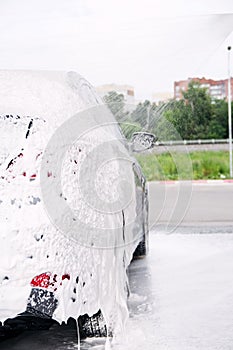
(73, 204)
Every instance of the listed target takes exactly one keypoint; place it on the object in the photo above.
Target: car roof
(51, 95)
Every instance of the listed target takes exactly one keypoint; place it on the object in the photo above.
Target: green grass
(182, 166)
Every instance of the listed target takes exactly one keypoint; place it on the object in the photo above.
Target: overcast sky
(147, 44)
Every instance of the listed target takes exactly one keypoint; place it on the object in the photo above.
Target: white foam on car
(30, 242)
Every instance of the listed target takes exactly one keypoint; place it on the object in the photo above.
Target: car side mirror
(142, 141)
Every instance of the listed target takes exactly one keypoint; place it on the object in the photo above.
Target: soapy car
(48, 273)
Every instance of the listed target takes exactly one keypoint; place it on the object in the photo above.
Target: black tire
(93, 326)
(141, 249)
(25, 321)
(7, 332)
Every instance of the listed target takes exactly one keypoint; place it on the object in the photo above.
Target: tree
(195, 116)
(147, 115)
(218, 128)
(175, 123)
(192, 114)
(116, 103)
(141, 114)
(199, 106)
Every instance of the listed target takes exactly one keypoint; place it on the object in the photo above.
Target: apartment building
(218, 89)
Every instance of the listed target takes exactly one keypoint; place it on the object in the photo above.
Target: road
(198, 204)
(182, 293)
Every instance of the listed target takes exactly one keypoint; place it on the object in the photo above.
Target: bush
(205, 165)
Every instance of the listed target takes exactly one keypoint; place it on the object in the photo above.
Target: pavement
(183, 294)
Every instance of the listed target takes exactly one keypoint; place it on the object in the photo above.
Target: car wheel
(93, 326)
(25, 321)
(143, 247)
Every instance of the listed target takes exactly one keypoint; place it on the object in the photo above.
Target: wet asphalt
(209, 213)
